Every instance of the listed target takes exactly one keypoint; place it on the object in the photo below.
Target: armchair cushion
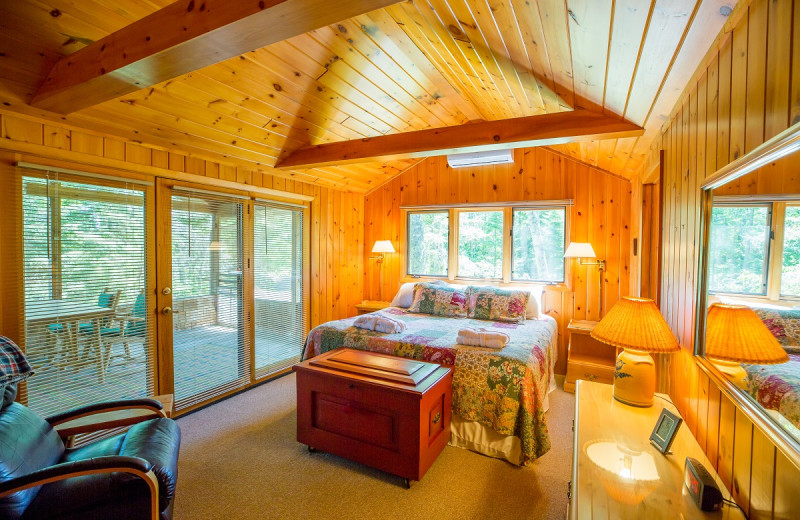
(156, 441)
(27, 444)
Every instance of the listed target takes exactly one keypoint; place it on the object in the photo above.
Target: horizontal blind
(211, 354)
(88, 331)
(278, 287)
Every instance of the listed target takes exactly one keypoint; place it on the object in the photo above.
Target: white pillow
(405, 296)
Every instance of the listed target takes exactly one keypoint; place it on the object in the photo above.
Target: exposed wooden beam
(540, 130)
(180, 38)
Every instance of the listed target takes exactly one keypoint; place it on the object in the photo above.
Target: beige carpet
(239, 459)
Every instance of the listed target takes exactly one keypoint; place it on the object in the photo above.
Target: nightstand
(368, 306)
(587, 358)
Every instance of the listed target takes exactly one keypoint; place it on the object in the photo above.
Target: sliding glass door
(210, 353)
(86, 266)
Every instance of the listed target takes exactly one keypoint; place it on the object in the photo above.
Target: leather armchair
(129, 476)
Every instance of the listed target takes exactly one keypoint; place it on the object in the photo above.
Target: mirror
(748, 329)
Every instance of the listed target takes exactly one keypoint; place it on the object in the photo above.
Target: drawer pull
(437, 417)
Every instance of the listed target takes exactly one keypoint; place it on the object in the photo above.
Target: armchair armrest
(102, 416)
(108, 464)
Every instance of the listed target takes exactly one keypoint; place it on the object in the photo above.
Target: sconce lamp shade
(383, 246)
(636, 323)
(579, 250)
(735, 333)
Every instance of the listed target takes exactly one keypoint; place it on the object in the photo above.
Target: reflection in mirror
(752, 331)
(627, 474)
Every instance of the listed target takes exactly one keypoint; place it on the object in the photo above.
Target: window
(790, 269)
(537, 247)
(755, 249)
(523, 243)
(428, 236)
(480, 244)
(739, 248)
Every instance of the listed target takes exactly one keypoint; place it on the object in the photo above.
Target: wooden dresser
(610, 433)
(383, 411)
(587, 358)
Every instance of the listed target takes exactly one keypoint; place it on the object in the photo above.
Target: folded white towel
(379, 323)
(482, 338)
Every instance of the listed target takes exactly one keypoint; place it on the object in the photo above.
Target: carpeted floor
(239, 459)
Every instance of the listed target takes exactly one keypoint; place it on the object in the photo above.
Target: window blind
(280, 312)
(88, 321)
(211, 353)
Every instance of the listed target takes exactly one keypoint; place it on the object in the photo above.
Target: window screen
(428, 235)
(480, 244)
(739, 249)
(537, 246)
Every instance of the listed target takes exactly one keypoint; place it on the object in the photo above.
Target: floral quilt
(502, 389)
(777, 387)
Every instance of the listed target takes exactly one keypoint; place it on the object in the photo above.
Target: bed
(499, 396)
(777, 387)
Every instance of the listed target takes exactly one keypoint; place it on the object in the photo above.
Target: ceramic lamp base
(733, 371)
(635, 378)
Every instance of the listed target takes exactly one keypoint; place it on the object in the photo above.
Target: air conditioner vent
(463, 160)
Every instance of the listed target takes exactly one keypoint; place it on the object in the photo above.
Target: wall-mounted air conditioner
(463, 160)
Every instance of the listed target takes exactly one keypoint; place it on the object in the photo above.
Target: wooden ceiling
(414, 65)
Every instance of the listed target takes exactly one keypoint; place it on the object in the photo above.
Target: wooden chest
(389, 413)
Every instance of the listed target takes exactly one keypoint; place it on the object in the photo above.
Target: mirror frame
(783, 144)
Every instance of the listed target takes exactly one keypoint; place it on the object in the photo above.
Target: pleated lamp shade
(735, 333)
(636, 323)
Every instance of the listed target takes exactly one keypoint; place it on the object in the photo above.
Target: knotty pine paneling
(749, 92)
(337, 228)
(600, 215)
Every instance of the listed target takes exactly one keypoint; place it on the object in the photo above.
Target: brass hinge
(569, 489)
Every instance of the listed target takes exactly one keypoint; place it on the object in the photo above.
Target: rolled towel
(482, 338)
(379, 323)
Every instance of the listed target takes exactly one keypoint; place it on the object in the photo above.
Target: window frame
(453, 220)
(773, 265)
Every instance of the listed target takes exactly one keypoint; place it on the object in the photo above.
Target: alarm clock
(701, 486)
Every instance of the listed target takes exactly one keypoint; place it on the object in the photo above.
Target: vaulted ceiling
(414, 65)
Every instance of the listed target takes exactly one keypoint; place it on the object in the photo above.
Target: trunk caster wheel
(312, 449)
(408, 483)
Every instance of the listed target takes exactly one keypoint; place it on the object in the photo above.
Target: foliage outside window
(790, 271)
(480, 244)
(428, 234)
(739, 248)
(538, 245)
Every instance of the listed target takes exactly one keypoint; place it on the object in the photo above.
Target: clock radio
(701, 486)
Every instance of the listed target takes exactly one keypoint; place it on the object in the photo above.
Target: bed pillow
(405, 296)
(497, 304)
(439, 300)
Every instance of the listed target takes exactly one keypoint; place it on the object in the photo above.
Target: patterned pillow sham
(496, 304)
(784, 325)
(439, 300)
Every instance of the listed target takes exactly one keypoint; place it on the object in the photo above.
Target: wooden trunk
(389, 413)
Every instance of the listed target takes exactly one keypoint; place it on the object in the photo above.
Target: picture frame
(664, 431)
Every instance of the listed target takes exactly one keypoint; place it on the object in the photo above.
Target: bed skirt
(474, 436)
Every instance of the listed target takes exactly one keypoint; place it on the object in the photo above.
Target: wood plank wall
(600, 215)
(337, 229)
(650, 243)
(746, 93)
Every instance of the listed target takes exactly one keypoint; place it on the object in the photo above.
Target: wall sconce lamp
(381, 247)
(582, 250)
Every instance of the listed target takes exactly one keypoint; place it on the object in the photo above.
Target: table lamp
(636, 326)
(736, 335)
(582, 250)
(381, 247)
